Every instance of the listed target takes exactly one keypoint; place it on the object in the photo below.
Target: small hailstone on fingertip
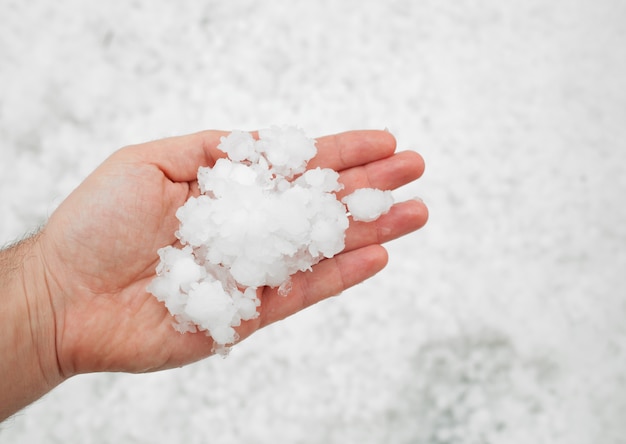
(368, 204)
(261, 217)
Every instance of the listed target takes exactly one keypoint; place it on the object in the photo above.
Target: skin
(74, 295)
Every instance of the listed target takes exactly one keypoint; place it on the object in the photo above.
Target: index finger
(179, 157)
(352, 148)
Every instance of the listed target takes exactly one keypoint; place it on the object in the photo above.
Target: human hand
(99, 248)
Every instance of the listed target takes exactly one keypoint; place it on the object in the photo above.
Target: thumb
(179, 157)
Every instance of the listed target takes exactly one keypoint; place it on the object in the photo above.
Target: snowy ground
(500, 322)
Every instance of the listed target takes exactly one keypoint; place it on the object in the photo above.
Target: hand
(99, 248)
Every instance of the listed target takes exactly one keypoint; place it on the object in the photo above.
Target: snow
(502, 321)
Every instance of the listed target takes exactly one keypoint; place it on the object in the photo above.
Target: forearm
(28, 366)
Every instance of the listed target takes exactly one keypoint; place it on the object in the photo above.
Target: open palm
(99, 248)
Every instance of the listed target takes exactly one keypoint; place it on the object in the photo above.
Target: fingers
(179, 157)
(328, 278)
(386, 174)
(402, 219)
(353, 148)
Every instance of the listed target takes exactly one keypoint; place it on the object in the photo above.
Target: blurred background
(502, 321)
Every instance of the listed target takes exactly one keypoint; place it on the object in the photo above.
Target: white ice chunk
(324, 179)
(179, 266)
(368, 204)
(195, 221)
(219, 180)
(246, 303)
(287, 149)
(209, 305)
(239, 145)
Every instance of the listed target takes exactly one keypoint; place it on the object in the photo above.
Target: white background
(502, 321)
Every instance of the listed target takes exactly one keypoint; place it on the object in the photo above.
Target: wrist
(29, 366)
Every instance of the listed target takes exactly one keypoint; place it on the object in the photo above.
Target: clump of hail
(261, 216)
